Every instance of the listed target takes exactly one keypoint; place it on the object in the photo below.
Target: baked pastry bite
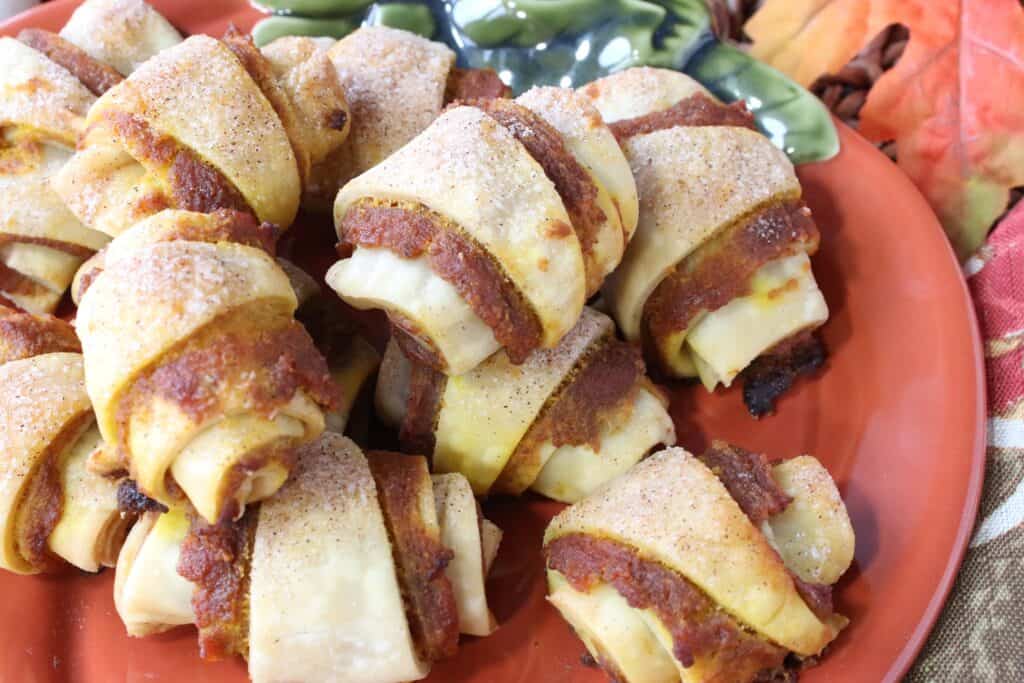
(345, 574)
(718, 274)
(202, 380)
(183, 131)
(53, 510)
(396, 83)
(120, 33)
(703, 569)
(41, 242)
(489, 230)
(48, 82)
(562, 423)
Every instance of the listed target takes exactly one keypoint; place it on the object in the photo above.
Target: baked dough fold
(330, 588)
(673, 521)
(52, 509)
(202, 380)
(489, 229)
(562, 422)
(48, 82)
(183, 129)
(42, 117)
(718, 271)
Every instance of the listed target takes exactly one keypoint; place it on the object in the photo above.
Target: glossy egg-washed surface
(897, 415)
(572, 42)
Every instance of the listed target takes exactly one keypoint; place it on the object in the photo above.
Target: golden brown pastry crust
(563, 421)
(723, 238)
(181, 132)
(52, 510)
(218, 383)
(669, 532)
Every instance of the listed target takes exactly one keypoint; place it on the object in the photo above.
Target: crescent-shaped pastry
(120, 33)
(489, 229)
(718, 273)
(562, 423)
(52, 509)
(47, 84)
(183, 130)
(198, 371)
(351, 360)
(396, 83)
(340, 576)
(42, 116)
(674, 571)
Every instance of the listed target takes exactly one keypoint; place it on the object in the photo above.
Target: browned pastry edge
(426, 386)
(259, 69)
(221, 225)
(24, 335)
(696, 110)
(232, 354)
(420, 558)
(131, 501)
(599, 390)
(774, 372)
(217, 559)
(17, 284)
(76, 250)
(574, 184)
(195, 185)
(96, 76)
(748, 478)
(474, 84)
(411, 230)
(42, 502)
(698, 627)
(227, 225)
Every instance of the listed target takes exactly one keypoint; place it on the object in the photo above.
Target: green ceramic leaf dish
(572, 42)
(270, 29)
(313, 8)
(407, 16)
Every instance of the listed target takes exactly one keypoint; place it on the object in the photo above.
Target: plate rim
(929, 618)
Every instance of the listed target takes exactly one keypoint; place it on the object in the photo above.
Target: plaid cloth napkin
(980, 636)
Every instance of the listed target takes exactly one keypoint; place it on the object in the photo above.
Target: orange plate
(897, 415)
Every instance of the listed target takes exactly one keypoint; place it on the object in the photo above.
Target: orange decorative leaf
(808, 38)
(954, 102)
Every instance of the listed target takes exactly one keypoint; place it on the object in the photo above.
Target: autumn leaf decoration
(954, 102)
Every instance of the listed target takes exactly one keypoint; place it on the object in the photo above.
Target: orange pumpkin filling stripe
(601, 389)
(217, 559)
(572, 182)
(412, 230)
(194, 184)
(23, 335)
(698, 628)
(420, 558)
(696, 110)
(721, 269)
(96, 76)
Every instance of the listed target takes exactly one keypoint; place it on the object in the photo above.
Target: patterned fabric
(980, 636)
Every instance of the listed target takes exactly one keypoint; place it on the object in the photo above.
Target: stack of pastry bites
(47, 86)
(530, 255)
